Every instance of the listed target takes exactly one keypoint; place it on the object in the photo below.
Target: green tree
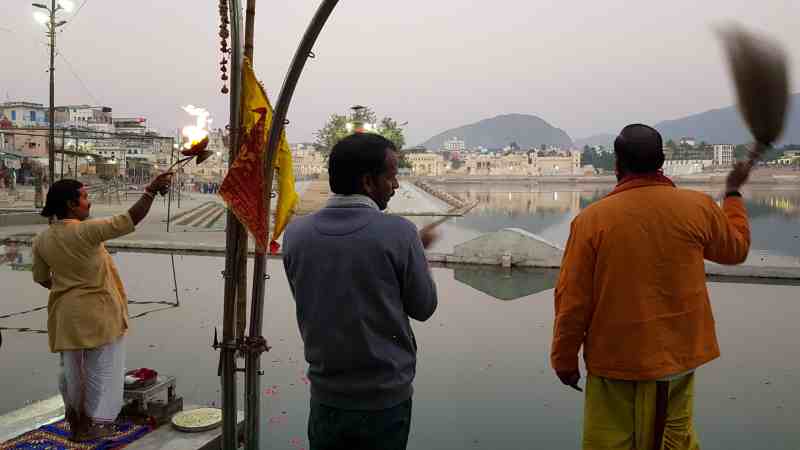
(740, 152)
(671, 144)
(332, 132)
(389, 129)
(336, 128)
(402, 162)
(588, 156)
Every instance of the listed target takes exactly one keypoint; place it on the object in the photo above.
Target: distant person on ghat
(632, 292)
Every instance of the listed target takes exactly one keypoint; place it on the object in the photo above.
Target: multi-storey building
(25, 114)
(307, 161)
(723, 155)
(455, 145)
(426, 164)
(532, 163)
(677, 167)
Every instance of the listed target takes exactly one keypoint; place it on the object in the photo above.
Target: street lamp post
(356, 124)
(49, 20)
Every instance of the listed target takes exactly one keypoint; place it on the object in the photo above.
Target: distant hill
(526, 130)
(604, 139)
(725, 126)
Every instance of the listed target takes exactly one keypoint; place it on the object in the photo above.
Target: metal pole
(62, 154)
(169, 197)
(175, 280)
(52, 133)
(253, 358)
(233, 233)
(252, 382)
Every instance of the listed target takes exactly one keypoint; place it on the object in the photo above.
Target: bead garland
(224, 34)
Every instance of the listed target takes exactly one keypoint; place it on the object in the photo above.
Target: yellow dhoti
(620, 415)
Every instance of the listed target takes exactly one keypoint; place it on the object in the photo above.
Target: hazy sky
(584, 66)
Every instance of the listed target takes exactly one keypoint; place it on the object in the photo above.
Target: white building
(25, 114)
(307, 161)
(533, 163)
(455, 145)
(723, 155)
(134, 125)
(678, 167)
(85, 116)
(426, 164)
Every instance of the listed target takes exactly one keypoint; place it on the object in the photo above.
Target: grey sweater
(357, 275)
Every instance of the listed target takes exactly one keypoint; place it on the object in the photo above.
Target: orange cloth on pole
(243, 189)
(632, 287)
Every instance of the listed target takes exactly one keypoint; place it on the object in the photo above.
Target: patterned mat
(56, 437)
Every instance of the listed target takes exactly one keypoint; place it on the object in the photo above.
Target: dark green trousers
(340, 429)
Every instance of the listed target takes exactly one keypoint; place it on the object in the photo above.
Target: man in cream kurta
(88, 307)
(87, 313)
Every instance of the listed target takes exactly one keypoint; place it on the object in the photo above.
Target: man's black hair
(355, 156)
(58, 197)
(639, 149)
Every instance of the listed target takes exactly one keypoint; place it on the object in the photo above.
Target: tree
(402, 162)
(671, 144)
(587, 156)
(389, 129)
(332, 132)
(740, 152)
(336, 128)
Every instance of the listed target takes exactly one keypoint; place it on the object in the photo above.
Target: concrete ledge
(166, 437)
(31, 417)
(510, 246)
(22, 218)
(525, 250)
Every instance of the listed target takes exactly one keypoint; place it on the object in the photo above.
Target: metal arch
(253, 358)
(304, 51)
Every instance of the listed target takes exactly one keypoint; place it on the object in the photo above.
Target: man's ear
(368, 184)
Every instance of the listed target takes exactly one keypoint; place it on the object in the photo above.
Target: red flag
(243, 187)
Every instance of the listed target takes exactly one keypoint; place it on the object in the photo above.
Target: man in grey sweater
(357, 275)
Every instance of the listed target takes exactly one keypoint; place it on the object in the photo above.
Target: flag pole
(256, 341)
(233, 232)
(253, 348)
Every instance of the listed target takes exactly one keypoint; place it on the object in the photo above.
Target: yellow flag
(287, 197)
(255, 108)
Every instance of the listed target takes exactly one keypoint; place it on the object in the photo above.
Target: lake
(483, 380)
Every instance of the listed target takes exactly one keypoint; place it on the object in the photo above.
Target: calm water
(484, 379)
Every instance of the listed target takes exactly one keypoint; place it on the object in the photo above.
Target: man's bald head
(639, 149)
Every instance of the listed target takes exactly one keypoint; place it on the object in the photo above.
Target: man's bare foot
(95, 431)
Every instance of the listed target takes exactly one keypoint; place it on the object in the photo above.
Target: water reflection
(506, 283)
(483, 377)
(547, 211)
(18, 258)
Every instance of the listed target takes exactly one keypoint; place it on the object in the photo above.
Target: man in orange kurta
(632, 293)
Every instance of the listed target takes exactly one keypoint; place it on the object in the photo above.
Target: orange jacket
(632, 286)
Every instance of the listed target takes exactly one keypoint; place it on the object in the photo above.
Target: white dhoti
(92, 381)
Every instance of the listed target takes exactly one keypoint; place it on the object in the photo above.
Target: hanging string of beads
(224, 34)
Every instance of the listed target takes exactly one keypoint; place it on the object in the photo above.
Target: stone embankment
(452, 200)
(761, 176)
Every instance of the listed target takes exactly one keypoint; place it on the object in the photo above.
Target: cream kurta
(88, 307)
